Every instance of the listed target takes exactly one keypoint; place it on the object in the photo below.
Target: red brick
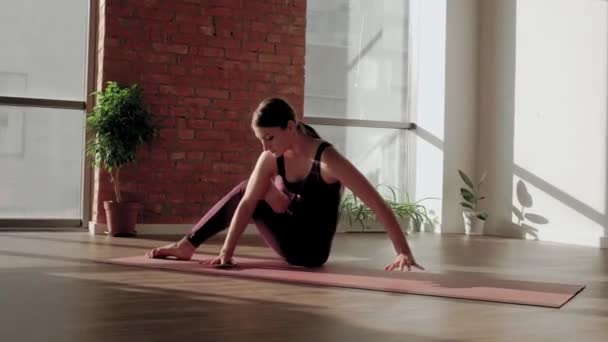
(219, 11)
(168, 133)
(211, 135)
(156, 14)
(185, 134)
(189, 27)
(198, 124)
(213, 156)
(171, 48)
(195, 101)
(264, 58)
(176, 90)
(292, 51)
(258, 46)
(260, 27)
(159, 58)
(229, 168)
(274, 38)
(214, 52)
(195, 155)
(184, 166)
(222, 43)
(190, 39)
(231, 157)
(204, 66)
(158, 78)
(192, 18)
(213, 93)
(177, 70)
(268, 67)
(181, 123)
(227, 125)
(224, 3)
(241, 55)
(178, 155)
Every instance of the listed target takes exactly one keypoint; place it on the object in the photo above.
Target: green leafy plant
(357, 212)
(120, 124)
(472, 195)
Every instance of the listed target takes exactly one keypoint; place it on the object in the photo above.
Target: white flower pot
(472, 224)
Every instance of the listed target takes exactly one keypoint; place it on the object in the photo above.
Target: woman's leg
(306, 250)
(219, 217)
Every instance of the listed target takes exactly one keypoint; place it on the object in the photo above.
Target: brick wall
(204, 66)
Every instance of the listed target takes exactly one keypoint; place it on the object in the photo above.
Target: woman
(292, 195)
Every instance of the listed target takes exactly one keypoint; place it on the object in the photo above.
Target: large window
(357, 59)
(357, 83)
(43, 89)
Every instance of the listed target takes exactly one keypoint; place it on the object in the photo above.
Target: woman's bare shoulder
(329, 159)
(267, 162)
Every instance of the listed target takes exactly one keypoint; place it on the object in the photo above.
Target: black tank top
(313, 198)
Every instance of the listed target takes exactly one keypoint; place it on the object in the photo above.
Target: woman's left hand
(402, 261)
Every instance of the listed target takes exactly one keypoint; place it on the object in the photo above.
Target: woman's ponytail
(304, 128)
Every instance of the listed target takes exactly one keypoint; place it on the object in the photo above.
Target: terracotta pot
(121, 217)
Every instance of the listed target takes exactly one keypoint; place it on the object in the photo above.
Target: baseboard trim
(96, 228)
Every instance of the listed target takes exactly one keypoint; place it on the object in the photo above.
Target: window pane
(357, 59)
(41, 163)
(43, 48)
(380, 154)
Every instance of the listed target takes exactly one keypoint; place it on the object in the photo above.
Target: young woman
(292, 195)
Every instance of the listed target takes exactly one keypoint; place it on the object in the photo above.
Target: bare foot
(181, 250)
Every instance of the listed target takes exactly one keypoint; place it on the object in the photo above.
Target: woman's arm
(257, 187)
(340, 168)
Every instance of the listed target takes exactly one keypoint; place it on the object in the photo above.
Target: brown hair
(276, 112)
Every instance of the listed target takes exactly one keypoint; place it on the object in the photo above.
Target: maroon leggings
(279, 230)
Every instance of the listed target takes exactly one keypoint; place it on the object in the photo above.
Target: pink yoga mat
(475, 287)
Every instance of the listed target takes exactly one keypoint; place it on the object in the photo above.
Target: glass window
(43, 48)
(378, 153)
(41, 158)
(44, 56)
(357, 59)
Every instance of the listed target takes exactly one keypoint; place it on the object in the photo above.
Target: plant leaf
(483, 178)
(467, 195)
(482, 216)
(466, 179)
(466, 205)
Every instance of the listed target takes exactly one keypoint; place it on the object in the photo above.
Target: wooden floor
(52, 289)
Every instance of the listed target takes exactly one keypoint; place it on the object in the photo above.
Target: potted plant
(412, 214)
(413, 211)
(474, 219)
(120, 124)
(355, 211)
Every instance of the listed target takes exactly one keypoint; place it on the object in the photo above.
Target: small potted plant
(474, 219)
(120, 124)
(413, 211)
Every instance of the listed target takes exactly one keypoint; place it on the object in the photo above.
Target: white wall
(543, 106)
(460, 120)
(496, 107)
